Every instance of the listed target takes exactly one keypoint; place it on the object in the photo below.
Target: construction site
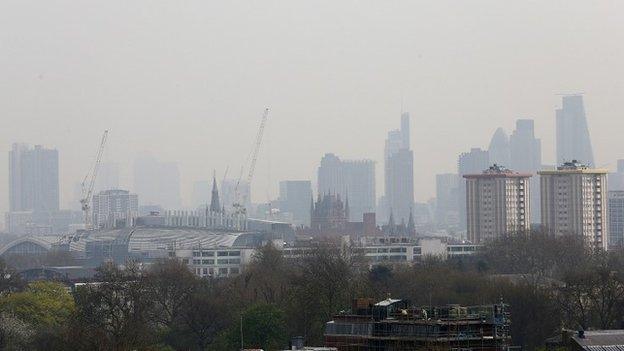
(395, 325)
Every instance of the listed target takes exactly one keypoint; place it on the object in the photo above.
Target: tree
(263, 326)
(10, 281)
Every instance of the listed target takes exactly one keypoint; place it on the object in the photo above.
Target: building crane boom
(88, 184)
(239, 206)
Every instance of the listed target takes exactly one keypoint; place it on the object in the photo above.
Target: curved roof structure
(139, 239)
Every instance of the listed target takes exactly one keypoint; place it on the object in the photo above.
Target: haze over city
(187, 82)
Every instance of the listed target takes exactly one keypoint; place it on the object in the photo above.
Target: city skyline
(358, 95)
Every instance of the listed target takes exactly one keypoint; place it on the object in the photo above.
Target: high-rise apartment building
(399, 172)
(157, 183)
(616, 219)
(295, 197)
(114, 208)
(33, 179)
(497, 203)
(353, 180)
(526, 157)
(473, 162)
(574, 202)
(573, 141)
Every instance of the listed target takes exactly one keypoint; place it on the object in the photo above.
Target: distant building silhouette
(295, 198)
(573, 140)
(329, 215)
(352, 179)
(215, 204)
(526, 157)
(115, 209)
(33, 179)
(399, 172)
(616, 179)
(157, 183)
(201, 193)
(447, 200)
(499, 151)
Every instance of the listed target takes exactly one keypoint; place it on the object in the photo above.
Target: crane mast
(239, 206)
(88, 184)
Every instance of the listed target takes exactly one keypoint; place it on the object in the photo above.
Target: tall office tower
(446, 211)
(295, 197)
(573, 141)
(616, 219)
(526, 157)
(616, 179)
(33, 179)
(201, 193)
(115, 208)
(399, 173)
(108, 176)
(157, 183)
(497, 203)
(353, 180)
(472, 162)
(573, 200)
(499, 151)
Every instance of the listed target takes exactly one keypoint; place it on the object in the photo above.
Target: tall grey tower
(33, 179)
(526, 157)
(573, 141)
(498, 150)
(472, 162)
(352, 180)
(399, 172)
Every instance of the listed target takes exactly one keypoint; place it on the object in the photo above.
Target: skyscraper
(157, 183)
(33, 179)
(399, 172)
(446, 212)
(499, 151)
(353, 180)
(497, 203)
(573, 140)
(526, 157)
(472, 162)
(574, 202)
(295, 198)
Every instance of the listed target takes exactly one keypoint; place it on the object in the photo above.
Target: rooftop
(601, 340)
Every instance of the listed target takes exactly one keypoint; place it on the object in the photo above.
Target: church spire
(214, 201)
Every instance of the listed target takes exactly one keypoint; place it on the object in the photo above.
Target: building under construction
(394, 325)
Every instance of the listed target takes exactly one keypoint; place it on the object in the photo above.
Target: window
(207, 253)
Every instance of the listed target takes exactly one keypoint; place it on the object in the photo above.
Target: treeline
(549, 283)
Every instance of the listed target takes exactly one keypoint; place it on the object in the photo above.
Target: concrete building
(573, 140)
(497, 203)
(295, 197)
(472, 162)
(526, 157)
(573, 201)
(115, 208)
(33, 179)
(157, 183)
(616, 219)
(399, 173)
(353, 180)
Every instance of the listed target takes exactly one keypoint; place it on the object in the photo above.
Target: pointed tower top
(214, 201)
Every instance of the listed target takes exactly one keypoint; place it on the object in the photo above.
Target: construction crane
(88, 184)
(239, 206)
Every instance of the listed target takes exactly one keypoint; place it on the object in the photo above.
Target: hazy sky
(187, 80)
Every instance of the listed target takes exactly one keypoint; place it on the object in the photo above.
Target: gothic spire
(214, 201)
(411, 227)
